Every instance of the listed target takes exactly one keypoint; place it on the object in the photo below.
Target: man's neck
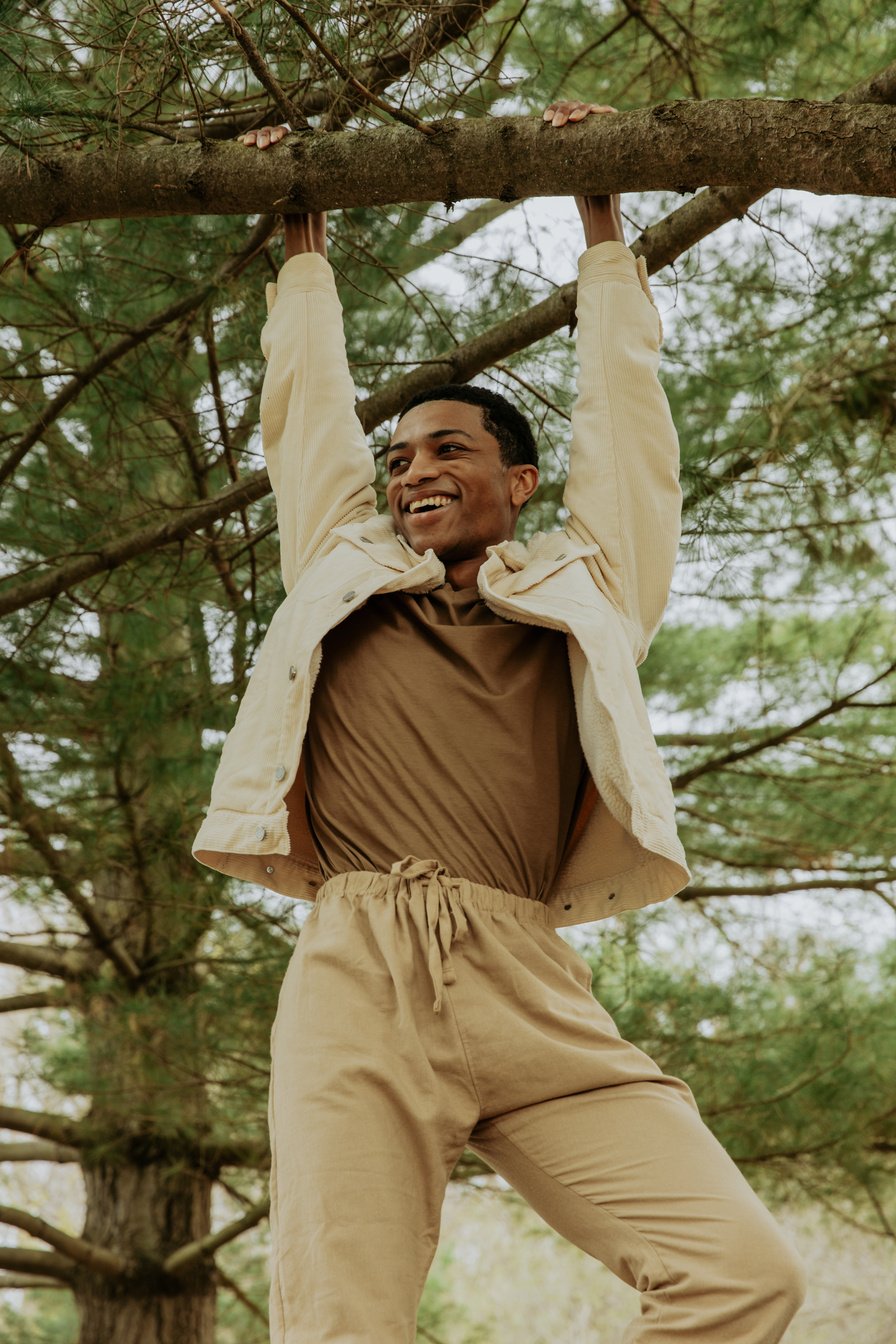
(464, 573)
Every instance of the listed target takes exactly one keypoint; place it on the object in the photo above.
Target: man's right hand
(302, 233)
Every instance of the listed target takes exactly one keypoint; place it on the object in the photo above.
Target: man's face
(447, 486)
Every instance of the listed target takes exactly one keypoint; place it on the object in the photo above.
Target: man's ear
(525, 483)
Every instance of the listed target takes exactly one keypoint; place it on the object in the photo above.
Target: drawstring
(445, 918)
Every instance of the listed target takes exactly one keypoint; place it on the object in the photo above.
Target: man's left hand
(601, 215)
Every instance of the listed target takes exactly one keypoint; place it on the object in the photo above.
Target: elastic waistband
(409, 870)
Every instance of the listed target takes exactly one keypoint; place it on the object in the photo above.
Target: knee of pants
(789, 1279)
(774, 1277)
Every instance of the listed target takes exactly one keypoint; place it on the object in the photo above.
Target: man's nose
(420, 469)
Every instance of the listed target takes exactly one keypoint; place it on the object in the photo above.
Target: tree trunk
(145, 1213)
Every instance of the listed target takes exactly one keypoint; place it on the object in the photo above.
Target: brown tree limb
(21, 1260)
(65, 965)
(709, 210)
(43, 998)
(23, 1281)
(754, 144)
(37, 1150)
(74, 1248)
(186, 1256)
(43, 1125)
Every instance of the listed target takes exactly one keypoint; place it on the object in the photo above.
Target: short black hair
(499, 416)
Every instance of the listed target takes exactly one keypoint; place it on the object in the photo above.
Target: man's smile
(427, 505)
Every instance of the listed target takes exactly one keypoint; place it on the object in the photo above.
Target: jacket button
(612, 896)
(567, 907)
(293, 671)
(280, 772)
(269, 869)
(347, 597)
(260, 832)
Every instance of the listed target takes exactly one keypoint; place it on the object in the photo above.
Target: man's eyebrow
(436, 434)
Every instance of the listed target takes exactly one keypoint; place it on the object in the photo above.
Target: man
(446, 726)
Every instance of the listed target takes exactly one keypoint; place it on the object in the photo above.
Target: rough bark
(834, 148)
(147, 1213)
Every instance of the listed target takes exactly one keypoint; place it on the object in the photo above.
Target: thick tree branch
(37, 1150)
(64, 965)
(749, 143)
(75, 1248)
(23, 1260)
(44, 998)
(186, 1256)
(23, 1281)
(57, 1128)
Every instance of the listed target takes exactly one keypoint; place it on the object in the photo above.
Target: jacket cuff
(615, 261)
(307, 271)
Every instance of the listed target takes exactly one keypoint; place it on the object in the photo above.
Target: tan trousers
(422, 1013)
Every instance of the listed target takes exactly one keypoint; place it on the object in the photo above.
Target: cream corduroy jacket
(603, 580)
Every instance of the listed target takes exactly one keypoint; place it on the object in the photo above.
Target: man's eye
(396, 462)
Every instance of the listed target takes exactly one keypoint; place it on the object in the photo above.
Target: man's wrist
(601, 219)
(305, 233)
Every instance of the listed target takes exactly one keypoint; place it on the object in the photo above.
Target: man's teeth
(432, 502)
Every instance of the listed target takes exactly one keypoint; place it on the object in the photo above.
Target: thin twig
(368, 95)
(264, 76)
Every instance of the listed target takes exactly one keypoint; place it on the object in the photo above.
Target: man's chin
(427, 536)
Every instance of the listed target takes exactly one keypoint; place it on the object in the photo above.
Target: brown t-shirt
(439, 729)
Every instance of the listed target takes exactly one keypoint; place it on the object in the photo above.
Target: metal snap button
(349, 596)
(269, 869)
(293, 672)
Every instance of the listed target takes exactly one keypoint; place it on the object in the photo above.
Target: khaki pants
(422, 1013)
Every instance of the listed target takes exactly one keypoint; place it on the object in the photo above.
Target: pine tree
(141, 572)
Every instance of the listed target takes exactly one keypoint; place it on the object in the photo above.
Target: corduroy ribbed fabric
(602, 581)
(422, 1013)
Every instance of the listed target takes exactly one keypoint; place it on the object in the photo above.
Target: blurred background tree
(141, 571)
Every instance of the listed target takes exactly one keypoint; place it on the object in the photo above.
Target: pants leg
(629, 1172)
(370, 1108)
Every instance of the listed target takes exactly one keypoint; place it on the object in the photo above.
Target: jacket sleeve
(317, 456)
(622, 492)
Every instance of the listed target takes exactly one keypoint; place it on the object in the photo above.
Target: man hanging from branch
(444, 741)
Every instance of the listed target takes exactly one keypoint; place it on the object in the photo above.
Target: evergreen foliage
(131, 369)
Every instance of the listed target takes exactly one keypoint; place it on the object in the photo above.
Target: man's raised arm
(320, 466)
(622, 491)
